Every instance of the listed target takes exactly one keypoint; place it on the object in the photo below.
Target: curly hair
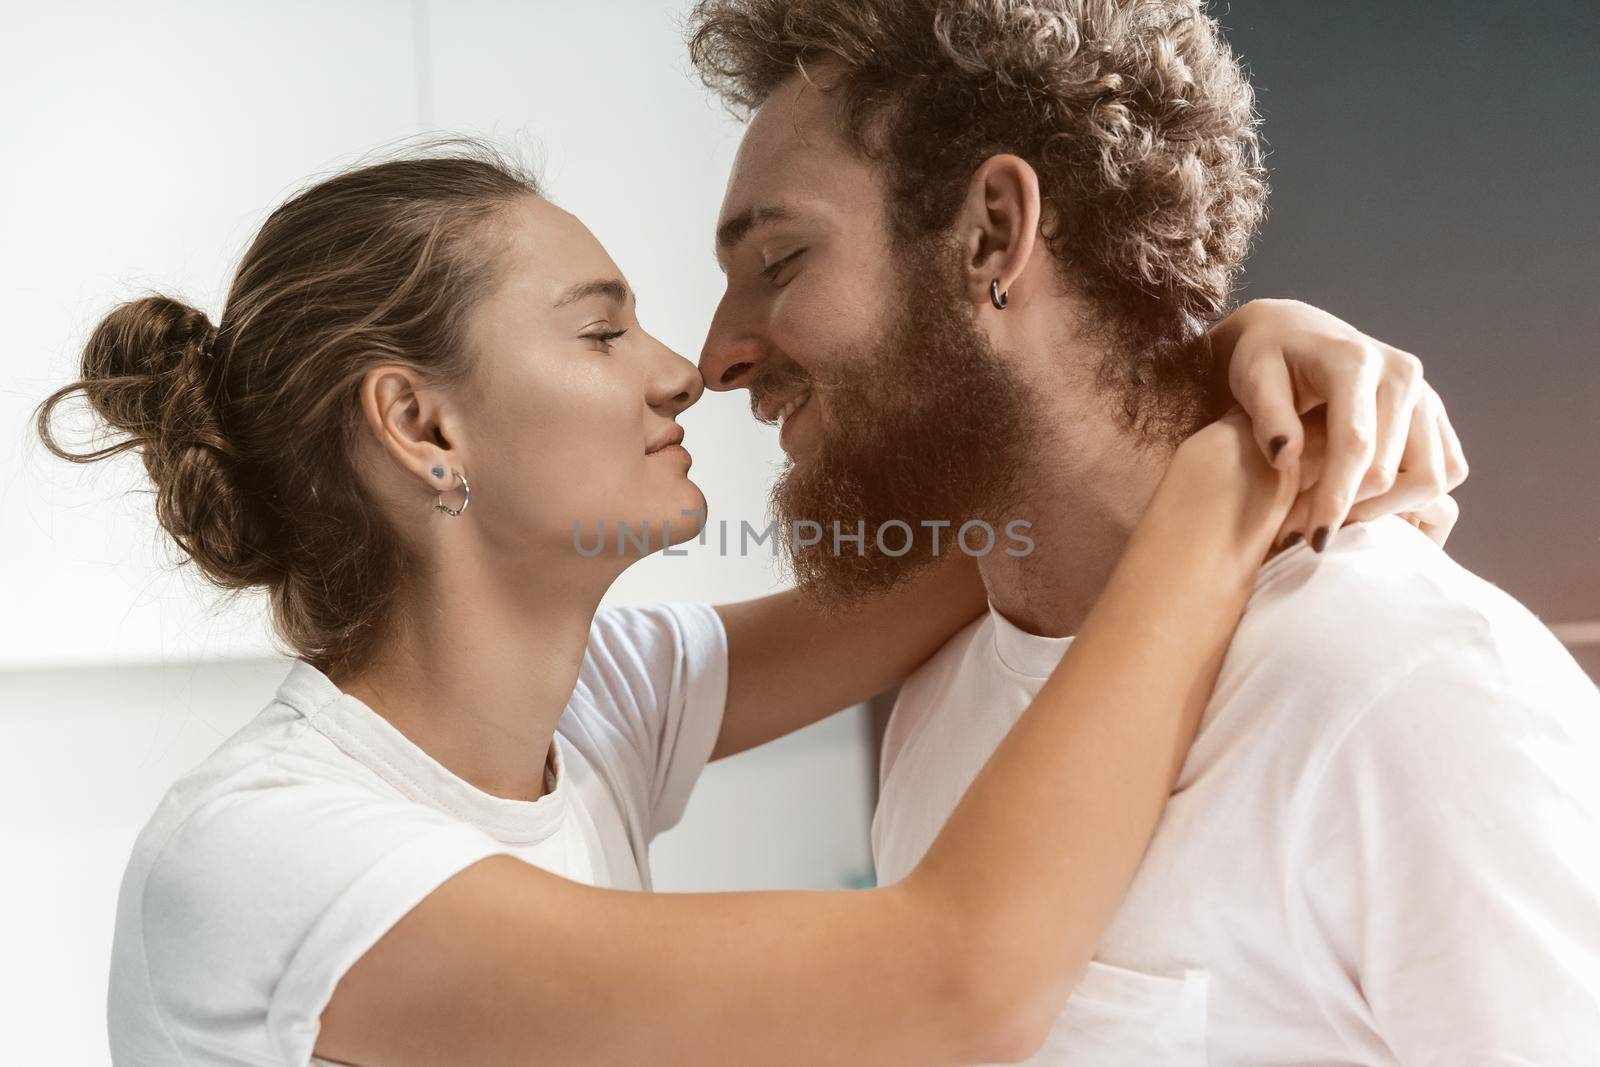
(248, 426)
(1135, 114)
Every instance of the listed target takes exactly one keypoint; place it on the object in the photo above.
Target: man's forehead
(783, 141)
(798, 115)
(793, 163)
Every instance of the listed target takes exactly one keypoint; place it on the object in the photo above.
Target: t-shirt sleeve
(261, 900)
(1452, 863)
(658, 678)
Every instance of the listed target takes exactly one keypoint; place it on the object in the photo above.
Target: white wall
(142, 152)
(140, 147)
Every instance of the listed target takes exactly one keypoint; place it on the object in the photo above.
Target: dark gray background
(1434, 177)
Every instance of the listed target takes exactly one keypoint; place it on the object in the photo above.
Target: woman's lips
(677, 452)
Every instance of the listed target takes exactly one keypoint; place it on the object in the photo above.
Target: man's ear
(999, 225)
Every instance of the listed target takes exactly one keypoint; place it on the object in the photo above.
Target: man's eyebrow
(614, 288)
(735, 229)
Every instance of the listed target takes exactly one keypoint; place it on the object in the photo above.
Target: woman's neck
(481, 670)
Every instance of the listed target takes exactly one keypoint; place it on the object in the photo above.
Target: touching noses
(731, 352)
(676, 384)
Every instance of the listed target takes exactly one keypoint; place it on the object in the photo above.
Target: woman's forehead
(546, 250)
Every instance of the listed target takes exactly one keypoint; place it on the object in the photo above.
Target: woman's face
(569, 414)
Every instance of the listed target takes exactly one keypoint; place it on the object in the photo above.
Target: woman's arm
(792, 661)
(968, 960)
(1390, 449)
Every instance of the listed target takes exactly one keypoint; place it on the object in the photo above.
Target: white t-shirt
(1384, 847)
(274, 865)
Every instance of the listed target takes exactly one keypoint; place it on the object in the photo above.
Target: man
(971, 247)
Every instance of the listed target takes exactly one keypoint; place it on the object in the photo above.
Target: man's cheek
(812, 324)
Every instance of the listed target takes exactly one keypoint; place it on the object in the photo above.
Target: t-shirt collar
(364, 735)
(1023, 653)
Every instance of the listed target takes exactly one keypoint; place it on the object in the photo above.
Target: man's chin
(799, 452)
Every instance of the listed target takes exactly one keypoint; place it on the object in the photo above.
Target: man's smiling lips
(776, 413)
(780, 407)
(786, 419)
(793, 406)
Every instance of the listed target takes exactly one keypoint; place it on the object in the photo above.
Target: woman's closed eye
(603, 338)
(770, 272)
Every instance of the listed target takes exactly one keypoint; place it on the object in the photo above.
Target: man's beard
(927, 424)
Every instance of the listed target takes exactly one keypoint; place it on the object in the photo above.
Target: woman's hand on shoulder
(1220, 471)
(1391, 448)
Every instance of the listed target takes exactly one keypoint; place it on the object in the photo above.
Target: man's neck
(1083, 494)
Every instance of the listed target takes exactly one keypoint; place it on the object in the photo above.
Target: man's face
(892, 401)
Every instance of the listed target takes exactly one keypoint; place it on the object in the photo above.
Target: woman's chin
(683, 528)
(690, 513)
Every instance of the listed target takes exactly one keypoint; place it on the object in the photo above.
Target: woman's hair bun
(149, 371)
(252, 429)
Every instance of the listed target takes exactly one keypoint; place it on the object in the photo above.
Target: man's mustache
(775, 376)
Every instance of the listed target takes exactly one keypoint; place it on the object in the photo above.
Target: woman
(412, 854)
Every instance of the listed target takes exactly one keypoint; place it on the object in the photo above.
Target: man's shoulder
(1330, 635)
(1346, 609)
(1380, 573)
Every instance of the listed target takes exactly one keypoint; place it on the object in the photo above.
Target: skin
(798, 187)
(967, 960)
(970, 958)
(555, 426)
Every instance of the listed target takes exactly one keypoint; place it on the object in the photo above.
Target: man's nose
(730, 354)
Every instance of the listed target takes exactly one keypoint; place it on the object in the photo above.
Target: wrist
(1220, 483)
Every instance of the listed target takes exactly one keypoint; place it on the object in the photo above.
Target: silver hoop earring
(466, 496)
(996, 297)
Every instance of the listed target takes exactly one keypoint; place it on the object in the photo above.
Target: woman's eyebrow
(612, 288)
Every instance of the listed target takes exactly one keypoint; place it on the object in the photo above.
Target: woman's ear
(409, 423)
(999, 225)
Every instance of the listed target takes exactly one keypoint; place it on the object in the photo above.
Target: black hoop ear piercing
(996, 297)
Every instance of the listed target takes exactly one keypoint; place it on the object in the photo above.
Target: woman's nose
(677, 385)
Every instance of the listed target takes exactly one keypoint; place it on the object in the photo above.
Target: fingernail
(1293, 539)
(1276, 444)
(1319, 540)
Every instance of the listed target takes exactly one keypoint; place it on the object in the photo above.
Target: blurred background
(1433, 182)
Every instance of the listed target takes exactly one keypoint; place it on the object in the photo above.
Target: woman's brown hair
(248, 426)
